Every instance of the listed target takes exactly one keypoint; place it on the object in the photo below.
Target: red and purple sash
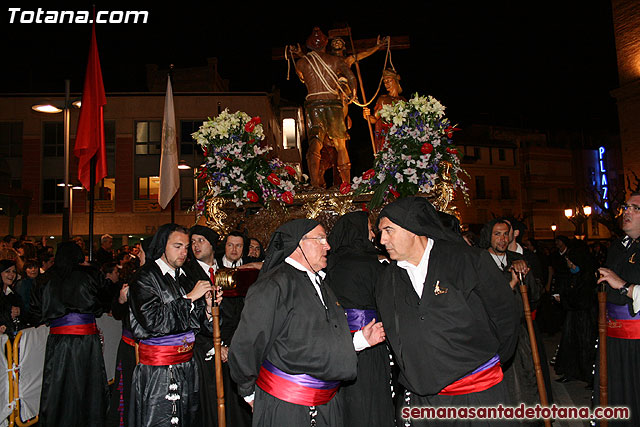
(484, 377)
(167, 350)
(74, 324)
(358, 319)
(127, 337)
(301, 389)
(620, 323)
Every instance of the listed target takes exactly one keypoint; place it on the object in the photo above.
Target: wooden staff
(217, 345)
(542, 391)
(602, 332)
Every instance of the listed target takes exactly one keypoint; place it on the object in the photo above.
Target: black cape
(74, 382)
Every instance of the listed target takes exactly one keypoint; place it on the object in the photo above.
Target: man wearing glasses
(293, 347)
(622, 274)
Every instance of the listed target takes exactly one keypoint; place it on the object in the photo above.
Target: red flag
(90, 134)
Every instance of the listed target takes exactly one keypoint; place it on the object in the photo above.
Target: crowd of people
(343, 326)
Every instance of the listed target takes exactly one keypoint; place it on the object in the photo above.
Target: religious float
(248, 188)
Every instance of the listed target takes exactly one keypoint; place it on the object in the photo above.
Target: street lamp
(580, 219)
(71, 189)
(54, 109)
(554, 227)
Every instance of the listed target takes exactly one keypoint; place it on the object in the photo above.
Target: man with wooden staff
(519, 371)
(204, 266)
(622, 274)
(449, 314)
(293, 347)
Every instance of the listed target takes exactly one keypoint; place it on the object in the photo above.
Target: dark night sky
(533, 64)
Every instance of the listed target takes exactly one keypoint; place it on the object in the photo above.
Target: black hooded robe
(352, 270)
(74, 381)
(285, 322)
(623, 355)
(158, 309)
(467, 315)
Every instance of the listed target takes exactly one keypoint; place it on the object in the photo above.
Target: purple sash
(71, 319)
(619, 312)
(301, 379)
(358, 319)
(170, 340)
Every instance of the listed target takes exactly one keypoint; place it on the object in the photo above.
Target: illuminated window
(106, 189)
(148, 187)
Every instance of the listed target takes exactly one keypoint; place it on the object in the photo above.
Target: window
(110, 138)
(148, 137)
(11, 139)
(187, 143)
(501, 155)
(53, 139)
(476, 152)
(52, 196)
(566, 195)
(106, 189)
(504, 188)
(148, 187)
(480, 188)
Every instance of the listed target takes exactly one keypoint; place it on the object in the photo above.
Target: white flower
(409, 171)
(357, 180)
(413, 179)
(381, 176)
(399, 177)
(224, 181)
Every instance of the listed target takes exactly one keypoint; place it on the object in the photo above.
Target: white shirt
(519, 249)
(636, 298)
(164, 267)
(501, 261)
(418, 273)
(230, 264)
(206, 266)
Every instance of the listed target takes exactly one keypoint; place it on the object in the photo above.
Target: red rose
(256, 120)
(426, 148)
(251, 141)
(273, 178)
(364, 208)
(228, 159)
(452, 151)
(205, 152)
(368, 174)
(291, 171)
(287, 197)
(394, 192)
(252, 196)
(345, 187)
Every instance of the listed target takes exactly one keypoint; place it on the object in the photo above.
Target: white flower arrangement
(236, 164)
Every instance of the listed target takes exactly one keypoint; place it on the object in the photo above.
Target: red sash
(298, 389)
(623, 328)
(164, 355)
(88, 329)
(481, 379)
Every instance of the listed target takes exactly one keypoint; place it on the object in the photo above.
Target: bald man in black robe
(449, 314)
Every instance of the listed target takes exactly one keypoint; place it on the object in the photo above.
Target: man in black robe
(352, 271)
(519, 371)
(204, 266)
(164, 319)
(293, 341)
(449, 314)
(622, 274)
(74, 381)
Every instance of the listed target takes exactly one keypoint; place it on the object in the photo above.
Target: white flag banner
(169, 174)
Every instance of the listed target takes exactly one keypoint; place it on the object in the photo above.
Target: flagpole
(67, 190)
(92, 178)
(173, 203)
